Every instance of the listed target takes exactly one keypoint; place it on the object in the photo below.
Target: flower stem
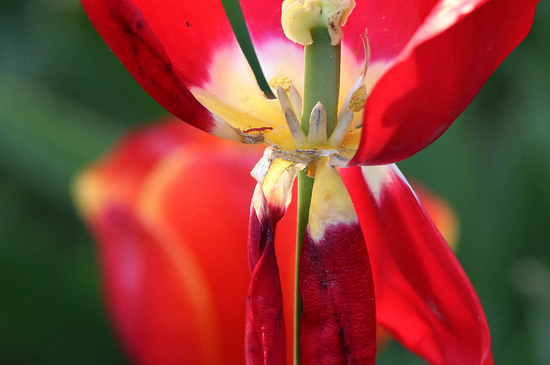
(321, 84)
(305, 186)
(322, 78)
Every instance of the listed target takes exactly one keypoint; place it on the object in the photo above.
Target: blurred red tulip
(171, 246)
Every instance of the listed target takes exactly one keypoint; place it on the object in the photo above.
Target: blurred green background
(64, 98)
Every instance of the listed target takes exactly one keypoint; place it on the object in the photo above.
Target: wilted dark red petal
(266, 337)
(338, 323)
(176, 280)
(265, 326)
(438, 74)
(166, 46)
(423, 296)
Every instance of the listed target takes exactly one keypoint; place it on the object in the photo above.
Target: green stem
(322, 78)
(305, 186)
(321, 84)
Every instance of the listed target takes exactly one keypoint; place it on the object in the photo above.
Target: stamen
(295, 128)
(318, 125)
(296, 100)
(358, 99)
(281, 81)
(284, 100)
(339, 133)
(360, 82)
(366, 47)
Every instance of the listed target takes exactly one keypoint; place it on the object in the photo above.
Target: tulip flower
(366, 249)
(173, 296)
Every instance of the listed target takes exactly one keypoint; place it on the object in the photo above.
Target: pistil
(321, 87)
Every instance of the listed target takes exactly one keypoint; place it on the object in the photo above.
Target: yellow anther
(358, 99)
(281, 81)
(300, 16)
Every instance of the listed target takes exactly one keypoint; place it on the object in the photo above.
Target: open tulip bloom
(338, 118)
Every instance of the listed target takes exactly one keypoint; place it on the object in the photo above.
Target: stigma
(299, 17)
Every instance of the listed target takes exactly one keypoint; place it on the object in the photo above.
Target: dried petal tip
(299, 17)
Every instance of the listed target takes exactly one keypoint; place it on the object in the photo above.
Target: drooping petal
(177, 51)
(446, 221)
(169, 213)
(338, 323)
(423, 296)
(438, 73)
(265, 328)
(129, 35)
(265, 323)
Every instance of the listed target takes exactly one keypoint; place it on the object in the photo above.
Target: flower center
(317, 142)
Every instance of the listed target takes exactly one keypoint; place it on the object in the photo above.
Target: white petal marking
(376, 177)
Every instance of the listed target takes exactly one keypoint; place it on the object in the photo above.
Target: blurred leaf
(45, 137)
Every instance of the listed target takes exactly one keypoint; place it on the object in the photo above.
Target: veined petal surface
(438, 73)
(171, 243)
(338, 323)
(172, 49)
(423, 296)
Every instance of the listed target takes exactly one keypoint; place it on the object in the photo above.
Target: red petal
(166, 46)
(263, 20)
(176, 280)
(338, 323)
(438, 74)
(150, 304)
(390, 24)
(266, 338)
(265, 326)
(423, 296)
